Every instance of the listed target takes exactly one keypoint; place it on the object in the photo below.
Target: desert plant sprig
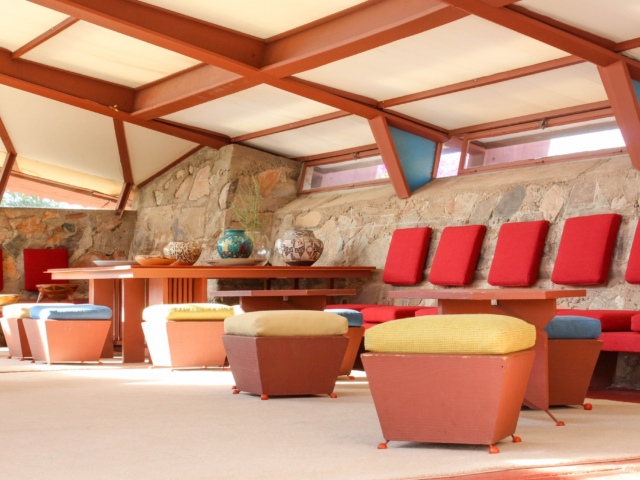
(246, 205)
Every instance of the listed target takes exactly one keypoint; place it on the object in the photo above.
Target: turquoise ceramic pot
(234, 244)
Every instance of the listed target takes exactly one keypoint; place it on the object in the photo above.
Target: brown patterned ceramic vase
(183, 253)
(299, 247)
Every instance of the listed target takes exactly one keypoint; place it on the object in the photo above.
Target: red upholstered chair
(632, 275)
(404, 266)
(36, 262)
(516, 260)
(457, 255)
(586, 248)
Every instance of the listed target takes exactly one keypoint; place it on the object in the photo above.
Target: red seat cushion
(516, 261)
(37, 260)
(384, 313)
(457, 255)
(620, 342)
(426, 311)
(610, 320)
(586, 247)
(1, 270)
(632, 275)
(406, 256)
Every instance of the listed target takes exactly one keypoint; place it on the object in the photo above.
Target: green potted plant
(246, 209)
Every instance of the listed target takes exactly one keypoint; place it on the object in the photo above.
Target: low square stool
(573, 352)
(13, 328)
(67, 333)
(186, 335)
(285, 352)
(355, 333)
(457, 379)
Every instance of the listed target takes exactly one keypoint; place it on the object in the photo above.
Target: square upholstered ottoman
(449, 378)
(185, 335)
(67, 332)
(285, 352)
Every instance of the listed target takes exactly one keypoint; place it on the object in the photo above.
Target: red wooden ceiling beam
(389, 154)
(9, 161)
(136, 20)
(374, 25)
(15, 72)
(556, 34)
(6, 139)
(144, 21)
(123, 151)
(483, 81)
(40, 39)
(619, 87)
(187, 89)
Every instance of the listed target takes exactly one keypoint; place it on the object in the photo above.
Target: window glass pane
(349, 172)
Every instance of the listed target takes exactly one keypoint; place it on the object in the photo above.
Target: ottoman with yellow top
(457, 379)
(185, 334)
(285, 352)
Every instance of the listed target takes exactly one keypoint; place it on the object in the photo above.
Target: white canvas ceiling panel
(58, 134)
(97, 52)
(556, 89)
(615, 20)
(330, 136)
(251, 110)
(22, 21)
(150, 151)
(259, 18)
(467, 49)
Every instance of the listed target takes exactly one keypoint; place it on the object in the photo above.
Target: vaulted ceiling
(106, 95)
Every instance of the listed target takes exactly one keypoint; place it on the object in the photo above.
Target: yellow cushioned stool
(285, 352)
(185, 335)
(449, 378)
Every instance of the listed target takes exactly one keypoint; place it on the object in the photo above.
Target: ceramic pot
(234, 244)
(184, 253)
(299, 247)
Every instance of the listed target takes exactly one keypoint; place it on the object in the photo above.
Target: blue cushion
(70, 312)
(573, 326)
(354, 317)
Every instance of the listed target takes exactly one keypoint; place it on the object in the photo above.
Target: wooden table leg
(103, 292)
(133, 303)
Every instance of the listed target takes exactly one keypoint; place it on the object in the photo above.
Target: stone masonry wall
(88, 235)
(192, 201)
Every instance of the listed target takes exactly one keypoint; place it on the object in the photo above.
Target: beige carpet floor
(132, 422)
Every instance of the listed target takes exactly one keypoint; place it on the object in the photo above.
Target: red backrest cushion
(406, 256)
(632, 275)
(1, 270)
(586, 247)
(516, 261)
(457, 255)
(37, 260)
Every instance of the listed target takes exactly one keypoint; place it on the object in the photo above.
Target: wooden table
(256, 300)
(536, 307)
(127, 290)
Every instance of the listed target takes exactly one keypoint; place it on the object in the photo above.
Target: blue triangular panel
(417, 156)
(636, 88)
